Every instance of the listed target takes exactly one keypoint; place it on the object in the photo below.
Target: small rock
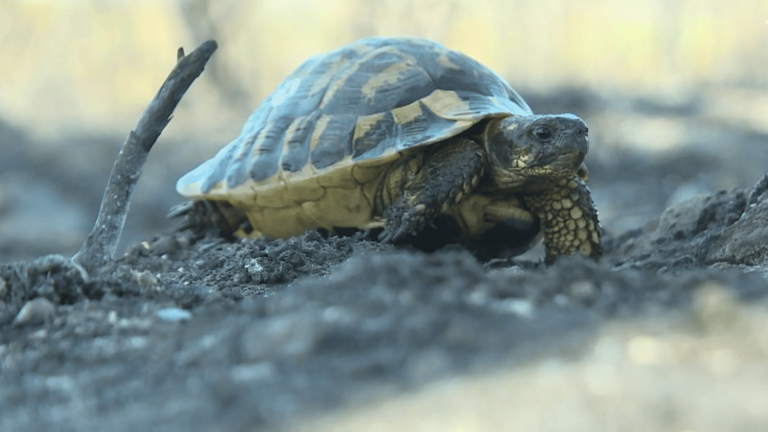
(520, 307)
(253, 372)
(561, 300)
(583, 289)
(35, 312)
(254, 267)
(428, 364)
(144, 278)
(165, 245)
(292, 336)
(746, 241)
(174, 314)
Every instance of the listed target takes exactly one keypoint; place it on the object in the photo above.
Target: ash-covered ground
(322, 332)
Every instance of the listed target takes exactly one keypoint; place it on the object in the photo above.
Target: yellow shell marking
(323, 80)
(406, 114)
(364, 175)
(306, 189)
(341, 177)
(290, 133)
(279, 222)
(320, 126)
(365, 123)
(448, 105)
(443, 60)
(244, 144)
(341, 81)
(389, 76)
(348, 206)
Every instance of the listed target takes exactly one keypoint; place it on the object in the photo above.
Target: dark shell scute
(216, 168)
(388, 134)
(242, 148)
(380, 137)
(294, 98)
(472, 77)
(427, 127)
(296, 152)
(241, 159)
(334, 141)
(450, 70)
(385, 79)
(267, 149)
(480, 106)
(302, 92)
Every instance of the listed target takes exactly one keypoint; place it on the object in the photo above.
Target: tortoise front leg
(423, 188)
(568, 219)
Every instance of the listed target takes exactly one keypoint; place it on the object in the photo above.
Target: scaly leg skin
(200, 216)
(568, 219)
(431, 188)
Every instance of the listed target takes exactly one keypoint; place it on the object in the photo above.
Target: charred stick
(100, 245)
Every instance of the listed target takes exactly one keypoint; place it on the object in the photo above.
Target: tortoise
(405, 135)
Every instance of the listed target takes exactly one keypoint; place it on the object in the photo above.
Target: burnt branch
(100, 245)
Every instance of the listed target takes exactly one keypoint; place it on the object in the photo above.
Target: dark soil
(203, 334)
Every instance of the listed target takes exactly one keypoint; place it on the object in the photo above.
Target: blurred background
(675, 92)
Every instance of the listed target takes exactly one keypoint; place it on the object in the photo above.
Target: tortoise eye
(543, 133)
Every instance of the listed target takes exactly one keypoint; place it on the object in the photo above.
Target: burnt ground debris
(185, 333)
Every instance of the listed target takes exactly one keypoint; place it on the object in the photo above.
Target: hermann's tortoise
(406, 135)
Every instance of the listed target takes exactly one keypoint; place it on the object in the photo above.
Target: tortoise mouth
(533, 178)
(554, 165)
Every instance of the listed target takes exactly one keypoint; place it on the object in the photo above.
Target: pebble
(174, 314)
(34, 312)
(144, 278)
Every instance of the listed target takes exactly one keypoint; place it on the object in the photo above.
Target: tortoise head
(533, 151)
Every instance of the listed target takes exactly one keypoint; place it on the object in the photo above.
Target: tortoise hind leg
(422, 188)
(201, 216)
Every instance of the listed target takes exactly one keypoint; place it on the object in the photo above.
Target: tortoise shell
(312, 154)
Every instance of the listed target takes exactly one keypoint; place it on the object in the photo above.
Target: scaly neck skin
(502, 156)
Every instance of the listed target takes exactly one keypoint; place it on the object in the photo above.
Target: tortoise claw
(404, 222)
(386, 237)
(391, 235)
